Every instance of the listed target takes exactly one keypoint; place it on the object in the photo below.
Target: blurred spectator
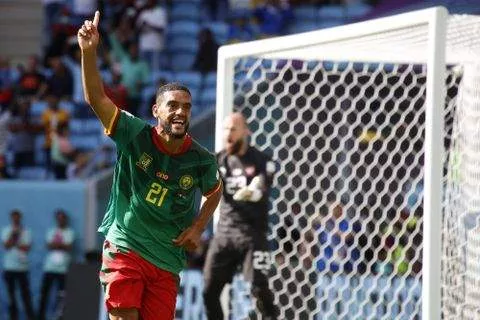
(206, 59)
(241, 29)
(273, 17)
(8, 79)
(32, 79)
(52, 118)
(215, 8)
(17, 241)
(151, 24)
(83, 9)
(116, 91)
(59, 243)
(72, 61)
(124, 31)
(62, 151)
(5, 116)
(82, 167)
(56, 48)
(51, 12)
(60, 83)
(336, 236)
(23, 131)
(135, 72)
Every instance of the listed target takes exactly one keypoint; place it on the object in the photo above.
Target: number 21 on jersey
(156, 194)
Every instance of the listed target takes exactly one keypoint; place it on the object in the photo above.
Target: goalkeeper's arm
(253, 192)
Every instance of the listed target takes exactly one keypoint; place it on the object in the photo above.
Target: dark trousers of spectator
(60, 171)
(23, 159)
(49, 278)
(12, 278)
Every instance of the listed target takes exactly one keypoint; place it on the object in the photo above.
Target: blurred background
(53, 153)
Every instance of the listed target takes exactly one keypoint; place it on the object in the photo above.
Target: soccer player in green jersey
(150, 219)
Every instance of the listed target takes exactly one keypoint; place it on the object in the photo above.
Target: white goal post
(346, 93)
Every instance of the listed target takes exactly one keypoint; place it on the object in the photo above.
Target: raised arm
(88, 38)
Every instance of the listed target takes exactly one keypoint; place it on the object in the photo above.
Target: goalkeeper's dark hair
(172, 86)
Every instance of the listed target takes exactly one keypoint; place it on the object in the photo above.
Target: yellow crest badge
(186, 182)
(144, 161)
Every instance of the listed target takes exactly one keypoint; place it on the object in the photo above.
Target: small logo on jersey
(250, 171)
(161, 175)
(144, 162)
(186, 182)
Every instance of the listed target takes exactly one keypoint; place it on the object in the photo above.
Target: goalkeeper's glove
(253, 192)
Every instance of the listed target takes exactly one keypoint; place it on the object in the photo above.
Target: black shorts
(227, 256)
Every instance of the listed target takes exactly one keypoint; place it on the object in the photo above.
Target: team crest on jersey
(144, 162)
(186, 182)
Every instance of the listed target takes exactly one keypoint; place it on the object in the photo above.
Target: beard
(235, 147)
(167, 127)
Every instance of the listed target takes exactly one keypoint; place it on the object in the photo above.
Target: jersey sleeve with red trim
(124, 127)
(210, 180)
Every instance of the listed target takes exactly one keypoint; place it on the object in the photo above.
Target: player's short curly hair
(172, 86)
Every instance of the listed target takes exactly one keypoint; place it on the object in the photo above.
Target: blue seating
(357, 10)
(93, 126)
(331, 12)
(32, 173)
(186, 44)
(183, 28)
(185, 11)
(85, 126)
(37, 108)
(67, 105)
(219, 30)
(210, 80)
(305, 13)
(302, 27)
(208, 98)
(157, 75)
(86, 142)
(192, 79)
(182, 61)
(76, 126)
(39, 151)
(329, 24)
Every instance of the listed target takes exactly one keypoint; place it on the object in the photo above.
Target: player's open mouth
(178, 123)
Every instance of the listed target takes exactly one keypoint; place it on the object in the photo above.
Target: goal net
(376, 129)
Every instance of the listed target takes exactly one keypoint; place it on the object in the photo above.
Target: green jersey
(153, 193)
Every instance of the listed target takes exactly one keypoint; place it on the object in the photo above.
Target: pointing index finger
(96, 18)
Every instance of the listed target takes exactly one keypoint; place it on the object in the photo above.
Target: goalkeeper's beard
(236, 147)
(167, 127)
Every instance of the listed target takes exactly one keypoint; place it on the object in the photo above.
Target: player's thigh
(121, 278)
(220, 265)
(160, 296)
(123, 314)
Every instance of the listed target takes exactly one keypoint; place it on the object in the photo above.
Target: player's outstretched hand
(242, 194)
(252, 192)
(189, 238)
(88, 33)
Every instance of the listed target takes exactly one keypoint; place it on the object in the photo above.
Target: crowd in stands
(46, 129)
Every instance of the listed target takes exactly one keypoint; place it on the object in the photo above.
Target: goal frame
(298, 45)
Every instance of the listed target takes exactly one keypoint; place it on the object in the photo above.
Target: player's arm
(209, 206)
(88, 38)
(190, 238)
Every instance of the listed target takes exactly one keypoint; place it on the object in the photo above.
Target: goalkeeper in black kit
(240, 240)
